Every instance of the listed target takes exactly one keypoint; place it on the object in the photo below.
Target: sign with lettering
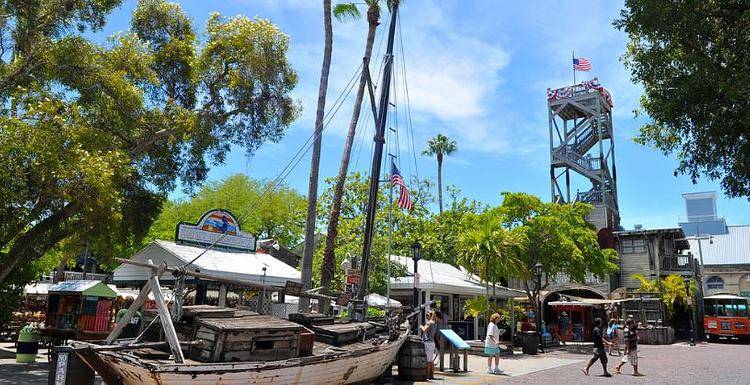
(353, 277)
(61, 370)
(216, 227)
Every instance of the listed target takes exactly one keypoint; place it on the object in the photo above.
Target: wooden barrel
(412, 360)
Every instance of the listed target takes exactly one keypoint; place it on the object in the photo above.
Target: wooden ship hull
(352, 364)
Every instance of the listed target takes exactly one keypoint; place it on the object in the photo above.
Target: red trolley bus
(726, 316)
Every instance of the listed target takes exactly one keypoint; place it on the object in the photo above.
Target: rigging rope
(293, 162)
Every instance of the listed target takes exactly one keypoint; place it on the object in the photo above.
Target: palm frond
(345, 12)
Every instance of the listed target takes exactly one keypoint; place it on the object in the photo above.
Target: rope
(293, 162)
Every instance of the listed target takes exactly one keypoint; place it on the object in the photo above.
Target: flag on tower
(581, 64)
(404, 199)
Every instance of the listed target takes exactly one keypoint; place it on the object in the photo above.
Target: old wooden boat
(359, 362)
(212, 345)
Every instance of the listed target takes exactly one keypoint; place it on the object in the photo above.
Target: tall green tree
(439, 147)
(348, 11)
(693, 60)
(312, 192)
(490, 250)
(558, 237)
(93, 136)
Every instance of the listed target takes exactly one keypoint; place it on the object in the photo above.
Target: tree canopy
(693, 59)
(558, 237)
(266, 212)
(93, 136)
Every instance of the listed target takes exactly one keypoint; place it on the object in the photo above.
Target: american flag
(404, 199)
(581, 64)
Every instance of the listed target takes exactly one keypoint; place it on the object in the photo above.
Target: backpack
(612, 331)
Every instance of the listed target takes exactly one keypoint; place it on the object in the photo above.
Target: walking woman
(428, 338)
(492, 345)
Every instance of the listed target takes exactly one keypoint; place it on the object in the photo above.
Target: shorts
(490, 351)
(429, 349)
(631, 357)
(599, 354)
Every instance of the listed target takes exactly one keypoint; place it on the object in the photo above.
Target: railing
(77, 275)
(676, 262)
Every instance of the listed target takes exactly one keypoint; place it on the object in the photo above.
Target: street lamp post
(687, 299)
(416, 255)
(538, 267)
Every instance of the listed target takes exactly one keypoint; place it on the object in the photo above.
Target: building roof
(444, 277)
(677, 232)
(724, 249)
(239, 265)
(89, 288)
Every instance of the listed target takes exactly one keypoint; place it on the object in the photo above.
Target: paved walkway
(513, 366)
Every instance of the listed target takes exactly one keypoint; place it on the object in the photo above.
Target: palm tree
(343, 12)
(440, 146)
(489, 250)
(312, 192)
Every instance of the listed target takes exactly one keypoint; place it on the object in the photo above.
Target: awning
(88, 288)
(235, 265)
(377, 300)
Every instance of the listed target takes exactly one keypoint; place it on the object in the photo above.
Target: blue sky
(477, 71)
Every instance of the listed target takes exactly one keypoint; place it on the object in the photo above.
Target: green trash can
(28, 345)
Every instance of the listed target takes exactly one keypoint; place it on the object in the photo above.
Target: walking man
(631, 349)
(599, 352)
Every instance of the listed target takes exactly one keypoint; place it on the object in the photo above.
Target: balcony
(676, 263)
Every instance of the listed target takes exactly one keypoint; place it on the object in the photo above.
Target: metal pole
(539, 311)
(390, 240)
(574, 68)
(415, 299)
(379, 140)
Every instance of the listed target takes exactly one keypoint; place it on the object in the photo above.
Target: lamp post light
(538, 268)
(416, 255)
(692, 316)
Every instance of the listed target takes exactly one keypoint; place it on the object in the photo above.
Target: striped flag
(404, 199)
(581, 64)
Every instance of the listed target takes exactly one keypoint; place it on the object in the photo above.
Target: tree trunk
(440, 181)
(312, 193)
(329, 257)
(35, 242)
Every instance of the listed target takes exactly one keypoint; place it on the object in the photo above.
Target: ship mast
(377, 158)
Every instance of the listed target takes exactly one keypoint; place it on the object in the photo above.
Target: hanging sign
(416, 280)
(217, 227)
(353, 277)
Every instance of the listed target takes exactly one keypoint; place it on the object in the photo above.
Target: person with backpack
(613, 337)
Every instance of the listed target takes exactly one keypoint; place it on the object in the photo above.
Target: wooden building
(655, 253)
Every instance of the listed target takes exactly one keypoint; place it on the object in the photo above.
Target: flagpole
(390, 239)
(574, 68)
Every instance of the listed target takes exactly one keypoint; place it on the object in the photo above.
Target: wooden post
(222, 295)
(137, 303)
(166, 320)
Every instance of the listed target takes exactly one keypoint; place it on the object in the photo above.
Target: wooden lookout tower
(582, 150)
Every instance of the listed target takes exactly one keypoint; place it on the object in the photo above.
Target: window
(634, 246)
(715, 283)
